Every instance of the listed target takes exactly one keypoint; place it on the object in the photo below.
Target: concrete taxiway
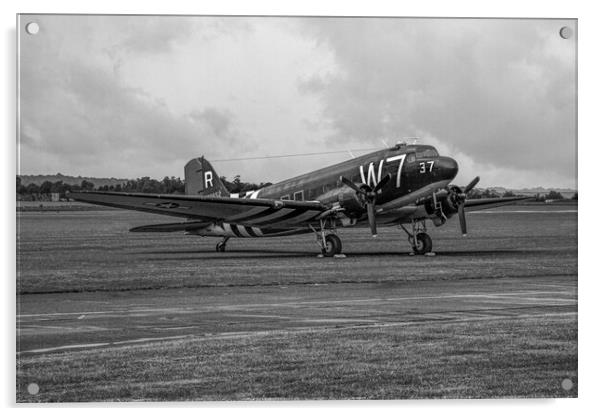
(75, 321)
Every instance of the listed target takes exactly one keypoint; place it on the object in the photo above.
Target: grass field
(491, 315)
(58, 206)
(501, 358)
(87, 251)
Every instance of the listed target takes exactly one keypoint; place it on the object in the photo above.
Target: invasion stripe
(305, 216)
(264, 213)
(296, 219)
(270, 217)
(282, 232)
(234, 229)
(257, 231)
(250, 231)
(255, 212)
(282, 218)
(241, 229)
(227, 228)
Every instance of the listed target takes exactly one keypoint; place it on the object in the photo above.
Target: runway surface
(83, 321)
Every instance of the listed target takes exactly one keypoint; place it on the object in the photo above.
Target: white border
(589, 128)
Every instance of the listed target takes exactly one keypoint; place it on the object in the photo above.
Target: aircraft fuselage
(411, 167)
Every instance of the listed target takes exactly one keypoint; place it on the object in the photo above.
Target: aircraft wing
(244, 211)
(172, 227)
(486, 203)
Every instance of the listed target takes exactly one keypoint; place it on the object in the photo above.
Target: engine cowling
(351, 202)
(448, 202)
(449, 205)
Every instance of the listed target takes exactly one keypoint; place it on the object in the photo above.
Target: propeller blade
(370, 197)
(370, 207)
(471, 185)
(351, 185)
(382, 183)
(462, 217)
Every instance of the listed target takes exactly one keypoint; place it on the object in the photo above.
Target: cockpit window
(426, 153)
(411, 157)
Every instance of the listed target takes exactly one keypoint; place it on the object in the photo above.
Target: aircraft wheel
(339, 245)
(220, 247)
(424, 244)
(333, 245)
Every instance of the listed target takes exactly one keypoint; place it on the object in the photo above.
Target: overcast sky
(140, 96)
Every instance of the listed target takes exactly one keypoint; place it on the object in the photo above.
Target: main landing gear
(330, 244)
(419, 240)
(221, 246)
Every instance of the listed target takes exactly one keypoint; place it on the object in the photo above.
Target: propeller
(368, 195)
(459, 198)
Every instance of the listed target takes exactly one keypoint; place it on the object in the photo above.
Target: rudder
(201, 179)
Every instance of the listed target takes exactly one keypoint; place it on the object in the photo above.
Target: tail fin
(201, 179)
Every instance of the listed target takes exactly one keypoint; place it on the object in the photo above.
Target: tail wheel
(220, 247)
(423, 244)
(333, 245)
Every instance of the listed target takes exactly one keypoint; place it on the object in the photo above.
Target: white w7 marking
(401, 159)
(373, 178)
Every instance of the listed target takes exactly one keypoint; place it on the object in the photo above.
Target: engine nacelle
(447, 206)
(345, 198)
(351, 202)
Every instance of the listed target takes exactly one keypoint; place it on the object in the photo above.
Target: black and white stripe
(271, 217)
(240, 231)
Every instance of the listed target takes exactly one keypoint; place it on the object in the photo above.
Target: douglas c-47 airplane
(405, 185)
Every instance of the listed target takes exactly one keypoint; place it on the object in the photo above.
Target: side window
(298, 196)
(285, 197)
(427, 153)
(411, 157)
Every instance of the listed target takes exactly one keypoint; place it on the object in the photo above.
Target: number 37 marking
(423, 168)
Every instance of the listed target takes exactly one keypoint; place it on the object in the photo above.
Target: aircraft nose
(448, 167)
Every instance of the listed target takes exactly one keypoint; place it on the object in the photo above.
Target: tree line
(173, 185)
(168, 185)
(490, 193)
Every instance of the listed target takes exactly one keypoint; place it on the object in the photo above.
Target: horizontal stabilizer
(169, 228)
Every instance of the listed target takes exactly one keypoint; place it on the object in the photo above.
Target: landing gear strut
(330, 244)
(221, 246)
(419, 240)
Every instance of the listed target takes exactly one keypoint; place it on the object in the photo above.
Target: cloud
(137, 95)
(219, 124)
(149, 35)
(87, 118)
(153, 34)
(501, 91)
(78, 115)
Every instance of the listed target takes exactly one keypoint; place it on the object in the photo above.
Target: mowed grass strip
(93, 251)
(526, 357)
